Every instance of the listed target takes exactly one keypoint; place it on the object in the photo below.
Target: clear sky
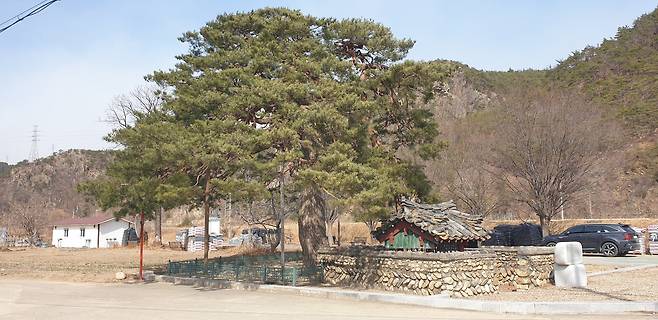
(61, 68)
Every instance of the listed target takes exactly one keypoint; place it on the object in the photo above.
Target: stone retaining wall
(522, 267)
(457, 274)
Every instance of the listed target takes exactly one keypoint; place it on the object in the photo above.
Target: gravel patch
(637, 285)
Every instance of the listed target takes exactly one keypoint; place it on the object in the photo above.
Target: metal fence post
(265, 274)
(294, 276)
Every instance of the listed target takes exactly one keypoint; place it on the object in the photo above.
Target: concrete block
(568, 253)
(572, 276)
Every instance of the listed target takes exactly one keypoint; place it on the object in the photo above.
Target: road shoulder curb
(440, 301)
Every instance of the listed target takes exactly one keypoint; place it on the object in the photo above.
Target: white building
(89, 232)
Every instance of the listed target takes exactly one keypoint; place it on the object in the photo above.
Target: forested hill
(620, 76)
(621, 73)
(47, 187)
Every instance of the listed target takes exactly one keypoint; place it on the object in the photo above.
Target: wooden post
(339, 231)
(141, 246)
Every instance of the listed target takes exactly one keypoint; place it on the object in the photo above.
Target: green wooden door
(404, 241)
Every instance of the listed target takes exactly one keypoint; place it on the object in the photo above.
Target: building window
(66, 232)
(82, 232)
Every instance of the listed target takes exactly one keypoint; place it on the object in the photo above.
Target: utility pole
(227, 213)
(561, 203)
(141, 246)
(589, 202)
(34, 151)
(282, 230)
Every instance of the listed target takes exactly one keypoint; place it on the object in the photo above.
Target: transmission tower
(34, 151)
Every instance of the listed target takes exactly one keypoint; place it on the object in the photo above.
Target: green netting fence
(257, 269)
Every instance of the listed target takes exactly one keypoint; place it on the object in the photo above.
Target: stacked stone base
(522, 267)
(457, 274)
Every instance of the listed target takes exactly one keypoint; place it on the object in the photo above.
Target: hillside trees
(620, 73)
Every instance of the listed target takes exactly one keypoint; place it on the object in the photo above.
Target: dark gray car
(608, 239)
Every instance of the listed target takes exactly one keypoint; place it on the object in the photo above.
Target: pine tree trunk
(312, 232)
(158, 227)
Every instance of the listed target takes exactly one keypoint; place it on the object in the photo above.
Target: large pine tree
(274, 95)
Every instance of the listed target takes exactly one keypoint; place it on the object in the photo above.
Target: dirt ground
(638, 285)
(592, 268)
(93, 265)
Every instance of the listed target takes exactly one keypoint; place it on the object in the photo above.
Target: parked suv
(609, 239)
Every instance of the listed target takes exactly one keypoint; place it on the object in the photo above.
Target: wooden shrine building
(431, 227)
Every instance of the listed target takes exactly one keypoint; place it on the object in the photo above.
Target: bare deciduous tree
(464, 170)
(549, 143)
(476, 188)
(330, 214)
(266, 215)
(125, 109)
(27, 213)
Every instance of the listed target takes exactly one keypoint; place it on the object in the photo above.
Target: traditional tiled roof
(442, 221)
(85, 221)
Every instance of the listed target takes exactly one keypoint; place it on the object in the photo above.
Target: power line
(32, 11)
(26, 10)
(34, 151)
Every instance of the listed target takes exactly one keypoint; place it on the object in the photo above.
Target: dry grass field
(94, 265)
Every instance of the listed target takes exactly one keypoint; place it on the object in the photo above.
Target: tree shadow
(604, 294)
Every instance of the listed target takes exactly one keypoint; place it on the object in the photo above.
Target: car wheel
(550, 244)
(609, 249)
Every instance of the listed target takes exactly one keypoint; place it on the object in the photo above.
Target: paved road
(622, 261)
(54, 300)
